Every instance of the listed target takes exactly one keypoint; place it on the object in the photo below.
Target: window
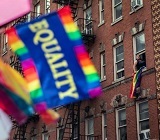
(104, 126)
(45, 136)
(143, 119)
(75, 132)
(119, 62)
(101, 11)
(88, 21)
(37, 9)
(139, 46)
(136, 4)
(33, 138)
(47, 6)
(121, 125)
(5, 44)
(60, 133)
(89, 129)
(117, 9)
(103, 66)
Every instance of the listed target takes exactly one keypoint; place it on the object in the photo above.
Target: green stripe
(36, 93)
(92, 77)
(74, 35)
(21, 51)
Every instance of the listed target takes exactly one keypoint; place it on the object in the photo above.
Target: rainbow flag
(15, 99)
(55, 62)
(136, 83)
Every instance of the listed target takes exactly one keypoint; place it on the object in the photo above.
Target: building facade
(114, 32)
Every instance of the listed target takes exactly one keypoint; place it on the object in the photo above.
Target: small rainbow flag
(55, 62)
(136, 83)
(15, 99)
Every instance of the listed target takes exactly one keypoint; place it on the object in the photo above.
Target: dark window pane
(123, 133)
(144, 125)
(118, 11)
(140, 43)
(122, 117)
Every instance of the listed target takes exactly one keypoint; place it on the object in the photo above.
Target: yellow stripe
(17, 45)
(89, 69)
(71, 27)
(34, 85)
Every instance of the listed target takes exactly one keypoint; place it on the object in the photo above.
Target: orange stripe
(67, 19)
(85, 62)
(29, 71)
(31, 77)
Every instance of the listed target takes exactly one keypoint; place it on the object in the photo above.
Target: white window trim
(47, 7)
(103, 126)
(45, 134)
(58, 129)
(117, 123)
(35, 9)
(85, 13)
(137, 112)
(115, 71)
(103, 65)
(5, 44)
(100, 13)
(114, 20)
(86, 128)
(134, 45)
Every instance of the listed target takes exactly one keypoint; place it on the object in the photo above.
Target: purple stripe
(27, 63)
(40, 107)
(95, 92)
(80, 49)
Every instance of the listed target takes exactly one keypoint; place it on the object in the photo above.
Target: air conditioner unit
(144, 135)
(136, 3)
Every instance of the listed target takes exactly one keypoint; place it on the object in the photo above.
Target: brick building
(114, 31)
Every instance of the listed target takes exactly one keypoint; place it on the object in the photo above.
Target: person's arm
(134, 66)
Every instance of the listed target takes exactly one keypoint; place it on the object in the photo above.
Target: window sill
(118, 80)
(135, 10)
(101, 23)
(117, 20)
(104, 79)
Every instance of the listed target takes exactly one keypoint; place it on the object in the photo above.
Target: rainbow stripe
(31, 76)
(136, 83)
(74, 35)
(28, 66)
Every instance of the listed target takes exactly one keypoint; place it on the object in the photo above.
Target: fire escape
(69, 125)
(72, 3)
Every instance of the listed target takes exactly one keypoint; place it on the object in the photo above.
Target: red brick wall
(105, 33)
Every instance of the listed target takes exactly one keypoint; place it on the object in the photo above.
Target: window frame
(138, 118)
(113, 11)
(58, 130)
(86, 128)
(47, 6)
(45, 134)
(101, 11)
(104, 126)
(103, 65)
(135, 47)
(88, 23)
(115, 63)
(117, 122)
(5, 44)
(36, 14)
